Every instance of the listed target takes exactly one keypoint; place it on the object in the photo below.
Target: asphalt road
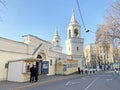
(101, 81)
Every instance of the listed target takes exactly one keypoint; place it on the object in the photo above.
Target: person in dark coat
(32, 73)
(78, 70)
(36, 73)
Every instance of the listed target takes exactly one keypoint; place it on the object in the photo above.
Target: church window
(76, 32)
(57, 41)
(69, 33)
(39, 56)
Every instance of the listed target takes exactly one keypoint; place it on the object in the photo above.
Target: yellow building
(67, 67)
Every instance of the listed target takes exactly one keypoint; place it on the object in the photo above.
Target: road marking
(84, 78)
(68, 83)
(109, 72)
(90, 84)
(71, 83)
(104, 75)
(109, 79)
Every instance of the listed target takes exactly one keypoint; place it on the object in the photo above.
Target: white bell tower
(74, 42)
(56, 42)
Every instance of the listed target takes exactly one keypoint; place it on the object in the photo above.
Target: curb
(44, 82)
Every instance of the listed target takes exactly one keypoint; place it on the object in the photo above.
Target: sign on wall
(45, 67)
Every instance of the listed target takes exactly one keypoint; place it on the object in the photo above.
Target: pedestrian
(82, 72)
(32, 74)
(78, 70)
(36, 73)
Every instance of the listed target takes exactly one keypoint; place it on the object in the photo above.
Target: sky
(41, 17)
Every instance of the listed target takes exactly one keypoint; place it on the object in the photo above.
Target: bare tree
(112, 23)
(112, 20)
(2, 4)
(109, 32)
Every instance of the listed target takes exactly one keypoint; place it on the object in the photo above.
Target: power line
(81, 16)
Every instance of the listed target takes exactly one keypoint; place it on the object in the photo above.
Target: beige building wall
(4, 58)
(67, 67)
(31, 47)
(87, 54)
(10, 50)
(96, 53)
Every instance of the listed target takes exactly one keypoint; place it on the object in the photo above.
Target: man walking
(36, 73)
(32, 73)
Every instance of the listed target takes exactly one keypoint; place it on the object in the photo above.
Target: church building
(16, 58)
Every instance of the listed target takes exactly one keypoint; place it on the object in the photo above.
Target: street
(101, 81)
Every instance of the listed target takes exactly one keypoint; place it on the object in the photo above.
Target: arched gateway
(42, 64)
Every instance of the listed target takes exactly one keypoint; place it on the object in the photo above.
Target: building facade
(20, 56)
(97, 55)
(74, 42)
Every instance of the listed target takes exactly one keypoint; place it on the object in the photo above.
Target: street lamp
(87, 30)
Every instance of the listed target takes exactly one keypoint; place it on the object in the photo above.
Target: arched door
(42, 64)
(39, 64)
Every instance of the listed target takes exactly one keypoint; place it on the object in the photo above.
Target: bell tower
(73, 30)
(74, 42)
(56, 42)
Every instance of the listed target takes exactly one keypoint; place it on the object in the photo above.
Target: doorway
(39, 64)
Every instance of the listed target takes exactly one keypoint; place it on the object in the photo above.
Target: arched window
(69, 33)
(76, 32)
(39, 56)
(57, 42)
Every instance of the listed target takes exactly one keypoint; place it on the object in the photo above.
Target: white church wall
(15, 71)
(34, 42)
(3, 70)
(8, 56)
(51, 66)
(13, 46)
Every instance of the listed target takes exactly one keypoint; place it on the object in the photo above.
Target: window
(51, 62)
(77, 48)
(6, 65)
(39, 56)
(104, 56)
(104, 51)
(57, 41)
(76, 32)
(69, 49)
(28, 68)
(69, 33)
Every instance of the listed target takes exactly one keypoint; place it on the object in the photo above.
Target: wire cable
(80, 13)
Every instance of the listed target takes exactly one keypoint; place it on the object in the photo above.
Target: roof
(73, 20)
(24, 59)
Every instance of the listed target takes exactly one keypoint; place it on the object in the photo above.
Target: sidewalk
(6, 85)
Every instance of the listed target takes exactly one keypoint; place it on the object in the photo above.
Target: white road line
(104, 75)
(108, 79)
(68, 83)
(84, 78)
(90, 84)
(71, 83)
